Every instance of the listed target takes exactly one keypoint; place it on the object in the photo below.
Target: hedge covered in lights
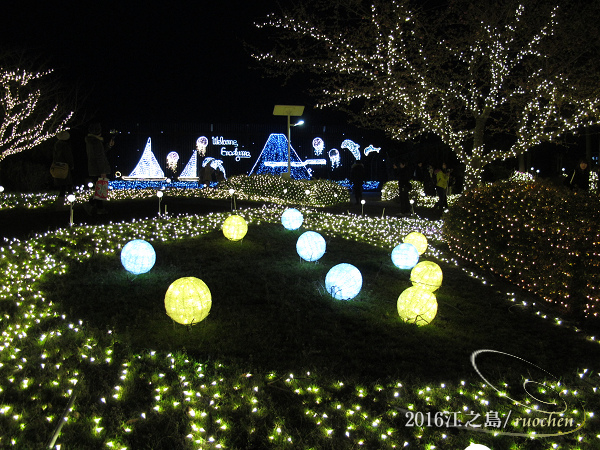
(389, 191)
(543, 238)
(259, 188)
(282, 191)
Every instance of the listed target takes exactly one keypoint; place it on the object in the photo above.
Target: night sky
(154, 61)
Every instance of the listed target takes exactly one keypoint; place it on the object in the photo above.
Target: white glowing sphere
(427, 275)
(343, 281)
(477, 447)
(188, 300)
(418, 240)
(138, 256)
(310, 246)
(405, 256)
(417, 305)
(292, 219)
(235, 227)
(70, 198)
(159, 194)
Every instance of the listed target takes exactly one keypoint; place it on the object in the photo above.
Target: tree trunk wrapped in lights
(470, 73)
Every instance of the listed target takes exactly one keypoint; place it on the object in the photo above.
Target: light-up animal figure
(172, 159)
(334, 157)
(371, 149)
(201, 144)
(217, 165)
(353, 147)
(318, 145)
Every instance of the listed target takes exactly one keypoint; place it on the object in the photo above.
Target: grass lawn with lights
(278, 363)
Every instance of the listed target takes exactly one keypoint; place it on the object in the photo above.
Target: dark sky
(153, 61)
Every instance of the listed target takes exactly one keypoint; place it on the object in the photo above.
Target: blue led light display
(353, 147)
(318, 145)
(273, 159)
(334, 157)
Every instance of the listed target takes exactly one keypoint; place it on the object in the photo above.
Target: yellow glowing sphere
(188, 300)
(235, 228)
(427, 275)
(418, 240)
(417, 305)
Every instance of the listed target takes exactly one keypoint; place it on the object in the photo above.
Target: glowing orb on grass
(418, 240)
(138, 256)
(310, 246)
(405, 256)
(188, 300)
(343, 281)
(427, 275)
(235, 228)
(417, 305)
(292, 219)
(477, 447)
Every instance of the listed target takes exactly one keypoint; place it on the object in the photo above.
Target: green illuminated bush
(543, 238)
(283, 191)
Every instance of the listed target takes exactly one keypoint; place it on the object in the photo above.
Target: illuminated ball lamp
(405, 256)
(477, 447)
(188, 300)
(310, 246)
(292, 219)
(138, 256)
(418, 240)
(417, 305)
(427, 275)
(343, 281)
(235, 227)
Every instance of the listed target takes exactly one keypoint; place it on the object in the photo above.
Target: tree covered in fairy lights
(491, 79)
(28, 115)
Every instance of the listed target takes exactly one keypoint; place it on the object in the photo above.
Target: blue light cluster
(367, 185)
(158, 185)
(273, 159)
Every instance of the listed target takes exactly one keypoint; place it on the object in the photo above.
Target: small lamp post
(289, 110)
(232, 193)
(71, 200)
(362, 207)
(159, 194)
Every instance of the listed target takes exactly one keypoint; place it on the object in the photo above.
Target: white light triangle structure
(147, 167)
(190, 171)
